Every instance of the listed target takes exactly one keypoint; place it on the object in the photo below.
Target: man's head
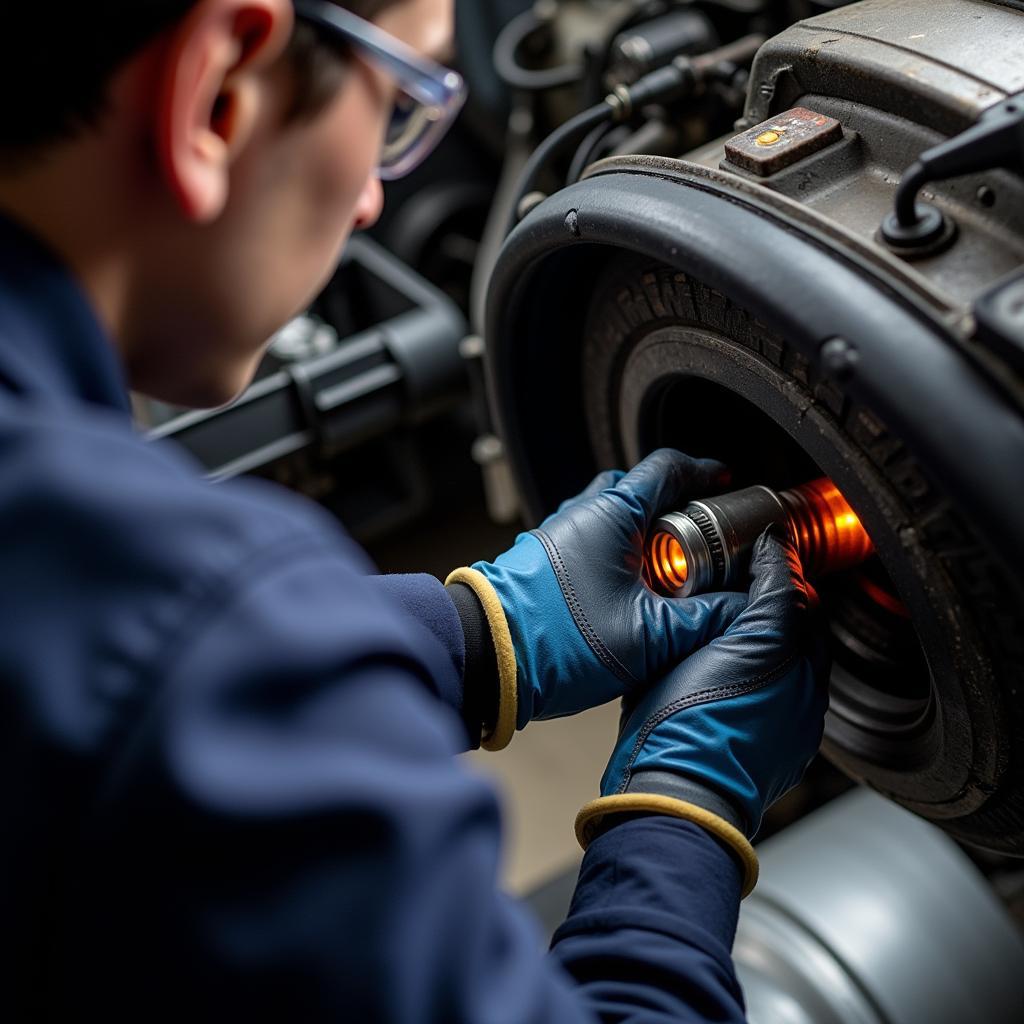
(200, 164)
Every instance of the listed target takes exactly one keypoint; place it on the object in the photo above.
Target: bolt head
(839, 358)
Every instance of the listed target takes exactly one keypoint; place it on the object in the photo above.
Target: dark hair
(55, 69)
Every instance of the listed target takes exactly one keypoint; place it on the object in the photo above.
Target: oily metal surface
(959, 56)
(974, 37)
(900, 78)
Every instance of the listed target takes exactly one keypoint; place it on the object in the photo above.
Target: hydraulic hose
(683, 77)
(566, 135)
(585, 153)
(914, 179)
(513, 74)
(995, 140)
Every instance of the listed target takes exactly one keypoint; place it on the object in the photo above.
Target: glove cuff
(508, 691)
(593, 814)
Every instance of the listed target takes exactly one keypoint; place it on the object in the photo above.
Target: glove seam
(702, 697)
(508, 690)
(579, 616)
(727, 834)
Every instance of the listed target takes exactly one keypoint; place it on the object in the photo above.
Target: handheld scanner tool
(707, 546)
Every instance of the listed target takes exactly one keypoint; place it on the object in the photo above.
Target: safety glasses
(429, 95)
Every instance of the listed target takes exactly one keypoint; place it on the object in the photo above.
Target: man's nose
(370, 204)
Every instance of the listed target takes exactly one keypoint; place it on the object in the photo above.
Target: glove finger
(772, 625)
(667, 479)
(601, 482)
(680, 626)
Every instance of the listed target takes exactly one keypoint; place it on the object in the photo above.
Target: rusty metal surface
(881, 52)
(782, 140)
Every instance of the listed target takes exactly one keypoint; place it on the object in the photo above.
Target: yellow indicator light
(668, 562)
(768, 138)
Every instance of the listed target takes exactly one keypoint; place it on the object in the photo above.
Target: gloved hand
(573, 623)
(731, 729)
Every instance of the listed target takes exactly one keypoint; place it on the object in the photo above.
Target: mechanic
(228, 774)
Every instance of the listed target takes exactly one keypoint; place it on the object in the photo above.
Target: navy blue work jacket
(228, 789)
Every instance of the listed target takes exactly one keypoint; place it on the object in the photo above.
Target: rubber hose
(513, 74)
(585, 153)
(561, 138)
(913, 180)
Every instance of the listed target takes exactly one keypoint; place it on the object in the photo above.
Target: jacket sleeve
(427, 604)
(453, 618)
(282, 831)
(654, 914)
(651, 926)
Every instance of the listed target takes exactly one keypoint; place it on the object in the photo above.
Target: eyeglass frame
(429, 83)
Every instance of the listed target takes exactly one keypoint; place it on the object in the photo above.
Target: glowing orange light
(826, 530)
(668, 562)
(882, 597)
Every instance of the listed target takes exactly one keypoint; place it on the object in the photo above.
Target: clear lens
(429, 97)
(413, 124)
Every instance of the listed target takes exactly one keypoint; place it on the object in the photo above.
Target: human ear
(210, 95)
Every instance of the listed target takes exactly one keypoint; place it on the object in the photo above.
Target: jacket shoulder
(93, 478)
(110, 543)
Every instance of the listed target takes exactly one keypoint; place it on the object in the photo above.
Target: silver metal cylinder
(700, 566)
(865, 914)
(717, 534)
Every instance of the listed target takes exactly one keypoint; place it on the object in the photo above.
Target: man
(228, 782)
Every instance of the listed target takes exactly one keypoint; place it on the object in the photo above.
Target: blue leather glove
(573, 623)
(731, 729)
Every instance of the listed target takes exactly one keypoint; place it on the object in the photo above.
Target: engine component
(707, 546)
(681, 78)
(760, 319)
(996, 140)
(865, 915)
(642, 48)
(778, 143)
(559, 59)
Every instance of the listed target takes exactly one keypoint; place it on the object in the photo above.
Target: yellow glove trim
(591, 816)
(508, 693)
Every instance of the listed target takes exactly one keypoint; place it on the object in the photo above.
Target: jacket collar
(52, 346)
